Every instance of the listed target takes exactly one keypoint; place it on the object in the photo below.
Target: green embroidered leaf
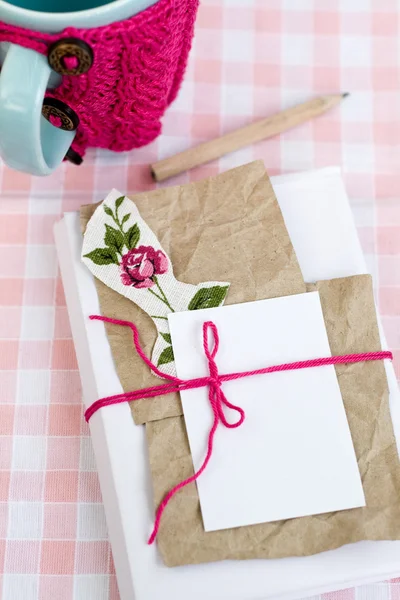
(108, 210)
(208, 297)
(166, 337)
(124, 220)
(114, 238)
(132, 236)
(103, 256)
(166, 356)
(119, 201)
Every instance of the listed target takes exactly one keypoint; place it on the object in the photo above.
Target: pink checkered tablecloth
(250, 58)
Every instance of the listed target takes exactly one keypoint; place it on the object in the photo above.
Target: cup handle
(28, 142)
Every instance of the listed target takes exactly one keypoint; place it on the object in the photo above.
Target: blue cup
(28, 142)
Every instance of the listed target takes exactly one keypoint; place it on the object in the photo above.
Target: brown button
(70, 56)
(60, 114)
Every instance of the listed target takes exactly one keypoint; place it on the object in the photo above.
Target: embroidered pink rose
(140, 265)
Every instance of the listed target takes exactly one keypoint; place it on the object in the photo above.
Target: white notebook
(319, 220)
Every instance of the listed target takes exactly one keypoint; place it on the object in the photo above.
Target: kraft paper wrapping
(350, 318)
(225, 228)
(230, 228)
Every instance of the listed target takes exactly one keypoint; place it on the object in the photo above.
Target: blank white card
(293, 456)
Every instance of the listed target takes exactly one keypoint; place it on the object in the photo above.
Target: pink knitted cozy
(136, 73)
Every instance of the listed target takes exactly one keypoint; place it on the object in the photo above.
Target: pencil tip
(345, 94)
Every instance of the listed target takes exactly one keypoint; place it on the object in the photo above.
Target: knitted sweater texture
(136, 73)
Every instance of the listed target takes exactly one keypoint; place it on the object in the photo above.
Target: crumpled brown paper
(230, 228)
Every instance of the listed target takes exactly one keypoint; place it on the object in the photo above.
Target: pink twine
(216, 396)
(55, 120)
(71, 62)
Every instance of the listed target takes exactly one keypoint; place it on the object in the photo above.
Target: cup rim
(116, 10)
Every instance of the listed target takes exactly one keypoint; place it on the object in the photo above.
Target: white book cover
(319, 220)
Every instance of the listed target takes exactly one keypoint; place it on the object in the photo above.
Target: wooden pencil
(255, 132)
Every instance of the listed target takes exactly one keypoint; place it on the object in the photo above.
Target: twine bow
(216, 395)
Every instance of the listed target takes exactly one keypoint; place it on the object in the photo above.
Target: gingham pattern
(250, 58)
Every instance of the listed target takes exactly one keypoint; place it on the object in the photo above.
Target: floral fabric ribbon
(120, 249)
